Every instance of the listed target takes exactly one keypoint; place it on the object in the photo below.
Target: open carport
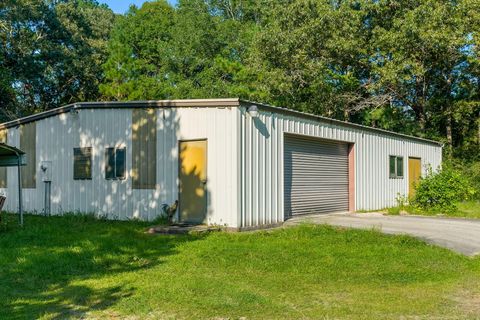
(11, 156)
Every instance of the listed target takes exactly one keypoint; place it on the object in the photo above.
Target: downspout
(20, 201)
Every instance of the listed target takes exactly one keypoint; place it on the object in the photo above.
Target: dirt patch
(468, 301)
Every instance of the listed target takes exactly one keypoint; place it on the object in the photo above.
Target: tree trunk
(478, 129)
(449, 136)
(420, 115)
(421, 121)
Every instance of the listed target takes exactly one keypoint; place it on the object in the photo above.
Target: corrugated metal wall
(262, 143)
(245, 162)
(100, 128)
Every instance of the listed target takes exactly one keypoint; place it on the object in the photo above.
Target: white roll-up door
(316, 175)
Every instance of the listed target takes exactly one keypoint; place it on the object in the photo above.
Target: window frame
(395, 174)
(90, 162)
(116, 175)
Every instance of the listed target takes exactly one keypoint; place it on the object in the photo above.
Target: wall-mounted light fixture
(74, 110)
(253, 111)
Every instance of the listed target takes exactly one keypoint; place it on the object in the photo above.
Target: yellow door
(193, 181)
(414, 174)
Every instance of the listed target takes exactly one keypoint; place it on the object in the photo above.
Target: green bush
(160, 220)
(402, 205)
(9, 221)
(472, 171)
(3, 221)
(393, 211)
(440, 191)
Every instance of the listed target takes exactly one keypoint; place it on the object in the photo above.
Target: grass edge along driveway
(74, 267)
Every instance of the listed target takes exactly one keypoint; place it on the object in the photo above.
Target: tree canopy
(410, 66)
(51, 53)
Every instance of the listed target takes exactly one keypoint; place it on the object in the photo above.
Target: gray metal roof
(10, 156)
(6, 150)
(123, 104)
(226, 102)
(337, 122)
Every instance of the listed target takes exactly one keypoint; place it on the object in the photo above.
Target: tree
(409, 65)
(314, 56)
(51, 52)
(88, 26)
(139, 50)
(423, 59)
(193, 51)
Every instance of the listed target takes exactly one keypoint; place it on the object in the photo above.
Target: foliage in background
(441, 191)
(51, 53)
(473, 172)
(196, 50)
(409, 66)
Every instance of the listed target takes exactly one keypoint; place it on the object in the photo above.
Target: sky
(121, 6)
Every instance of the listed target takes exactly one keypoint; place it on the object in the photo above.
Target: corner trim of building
(351, 177)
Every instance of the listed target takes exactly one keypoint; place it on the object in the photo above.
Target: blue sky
(121, 6)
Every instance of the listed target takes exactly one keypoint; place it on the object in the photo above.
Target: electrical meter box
(46, 171)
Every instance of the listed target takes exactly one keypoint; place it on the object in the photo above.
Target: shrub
(440, 191)
(402, 205)
(472, 171)
(393, 211)
(3, 221)
(160, 220)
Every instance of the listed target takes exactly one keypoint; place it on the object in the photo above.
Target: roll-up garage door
(316, 175)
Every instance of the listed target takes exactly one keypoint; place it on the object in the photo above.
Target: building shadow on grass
(46, 269)
(71, 301)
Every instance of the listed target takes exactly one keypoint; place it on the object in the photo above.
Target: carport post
(20, 206)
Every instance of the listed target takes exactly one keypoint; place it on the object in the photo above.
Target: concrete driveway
(459, 235)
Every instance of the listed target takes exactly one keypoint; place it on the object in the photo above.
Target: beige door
(193, 181)
(414, 174)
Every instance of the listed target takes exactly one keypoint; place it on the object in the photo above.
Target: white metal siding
(315, 176)
(245, 162)
(101, 128)
(263, 141)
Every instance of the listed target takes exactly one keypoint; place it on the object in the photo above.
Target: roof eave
(227, 102)
(338, 122)
(222, 102)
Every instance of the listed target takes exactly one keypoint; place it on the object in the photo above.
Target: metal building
(229, 162)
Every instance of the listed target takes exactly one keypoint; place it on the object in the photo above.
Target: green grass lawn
(467, 209)
(74, 267)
